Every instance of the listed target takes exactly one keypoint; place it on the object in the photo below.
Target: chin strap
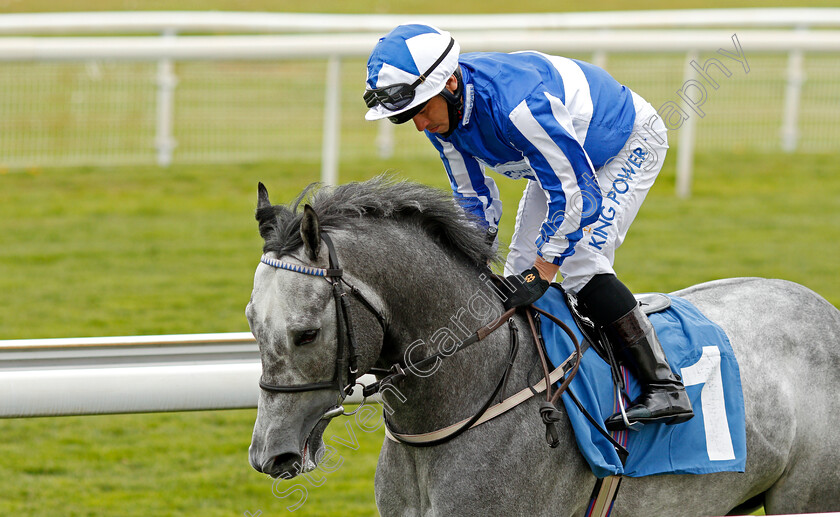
(454, 102)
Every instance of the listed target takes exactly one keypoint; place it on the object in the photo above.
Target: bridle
(346, 365)
(346, 361)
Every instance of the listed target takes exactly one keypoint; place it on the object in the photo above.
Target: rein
(397, 372)
(346, 368)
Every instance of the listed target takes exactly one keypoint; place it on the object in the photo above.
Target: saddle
(606, 489)
(699, 350)
(594, 337)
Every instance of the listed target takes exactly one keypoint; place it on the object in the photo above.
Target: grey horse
(413, 255)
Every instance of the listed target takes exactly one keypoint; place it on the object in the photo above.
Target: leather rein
(346, 369)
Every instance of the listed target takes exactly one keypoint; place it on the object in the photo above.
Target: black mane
(431, 209)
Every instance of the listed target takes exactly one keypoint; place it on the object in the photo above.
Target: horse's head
(330, 277)
(301, 326)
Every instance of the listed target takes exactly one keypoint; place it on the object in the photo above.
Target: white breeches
(624, 181)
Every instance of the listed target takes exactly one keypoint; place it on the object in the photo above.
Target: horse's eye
(305, 337)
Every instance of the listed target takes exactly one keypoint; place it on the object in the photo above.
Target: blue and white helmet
(408, 66)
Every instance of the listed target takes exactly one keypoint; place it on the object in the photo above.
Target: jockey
(590, 150)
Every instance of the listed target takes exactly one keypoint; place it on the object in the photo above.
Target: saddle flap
(653, 302)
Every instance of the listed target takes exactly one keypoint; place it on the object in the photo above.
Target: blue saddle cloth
(698, 350)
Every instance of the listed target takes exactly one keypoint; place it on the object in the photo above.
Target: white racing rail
(191, 21)
(311, 46)
(130, 374)
(260, 36)
(335, 47)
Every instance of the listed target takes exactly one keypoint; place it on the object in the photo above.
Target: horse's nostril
(286, 465)
(253, 459)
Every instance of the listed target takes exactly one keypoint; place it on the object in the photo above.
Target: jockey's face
(434, 118)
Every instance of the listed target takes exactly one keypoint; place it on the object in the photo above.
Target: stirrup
(634, 426)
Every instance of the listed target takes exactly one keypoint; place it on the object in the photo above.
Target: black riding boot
(663, 395)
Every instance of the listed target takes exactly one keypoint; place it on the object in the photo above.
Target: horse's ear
(310, 232)
(265, 214)
(262, 196)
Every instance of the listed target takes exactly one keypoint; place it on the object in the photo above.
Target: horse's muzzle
(286, 465)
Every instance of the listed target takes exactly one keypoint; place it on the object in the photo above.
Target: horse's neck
(460, 384)
(434, 315)
(432, 302)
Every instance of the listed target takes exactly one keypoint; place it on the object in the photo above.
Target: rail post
(685, 151)
(166, 81)
(332, 122)
(793, 94)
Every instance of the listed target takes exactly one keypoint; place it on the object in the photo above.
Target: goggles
(398, 96)
(405, 116)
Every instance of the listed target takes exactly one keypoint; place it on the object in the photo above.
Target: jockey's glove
(523, 289)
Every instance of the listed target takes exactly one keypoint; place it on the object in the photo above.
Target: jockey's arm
(547, 269)
(475, 191)
(543, 131)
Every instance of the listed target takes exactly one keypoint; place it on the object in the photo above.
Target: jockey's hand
(523, 289)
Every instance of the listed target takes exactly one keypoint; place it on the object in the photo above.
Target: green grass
(750, 215)
(104, 112)
(87, 252)
(169, 464)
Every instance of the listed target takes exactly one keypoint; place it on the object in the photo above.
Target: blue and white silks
(546, 118)
(697, 349)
